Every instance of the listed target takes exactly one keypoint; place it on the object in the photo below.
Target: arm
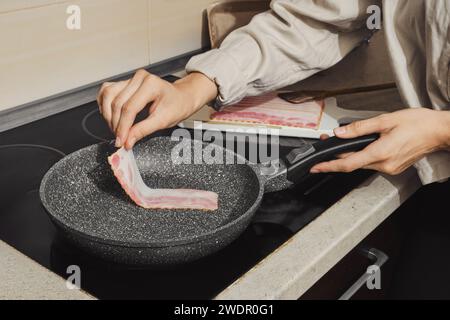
(292, 41)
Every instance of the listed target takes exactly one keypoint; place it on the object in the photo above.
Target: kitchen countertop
(23, 279)
(293, 268)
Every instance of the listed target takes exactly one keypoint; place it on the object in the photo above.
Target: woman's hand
(406, 137)
(168, 103)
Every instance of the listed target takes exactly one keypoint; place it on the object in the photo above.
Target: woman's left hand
(405, 137)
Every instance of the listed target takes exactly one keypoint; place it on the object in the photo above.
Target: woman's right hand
(168, 103)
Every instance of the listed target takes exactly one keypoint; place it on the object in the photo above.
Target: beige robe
(298, 38)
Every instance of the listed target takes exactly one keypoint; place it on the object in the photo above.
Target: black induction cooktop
(27, 152)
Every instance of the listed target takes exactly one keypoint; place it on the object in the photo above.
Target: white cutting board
(332, 117)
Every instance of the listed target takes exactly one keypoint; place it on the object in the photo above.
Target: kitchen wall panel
(177, 27)
(14, 5)
(40, 57)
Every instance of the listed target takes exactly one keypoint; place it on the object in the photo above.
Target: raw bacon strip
(127, 173)
(272, 110)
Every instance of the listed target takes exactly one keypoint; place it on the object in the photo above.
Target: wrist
(445, 116)
(198, 90)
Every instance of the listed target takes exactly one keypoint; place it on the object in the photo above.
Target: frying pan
(91, 211)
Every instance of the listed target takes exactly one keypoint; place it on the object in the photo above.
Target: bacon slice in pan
(125, 169)
(272, 110)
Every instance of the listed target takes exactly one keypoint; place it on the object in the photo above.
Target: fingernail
(118, 142)
(315, 170)
(131, 142)
(340, 130)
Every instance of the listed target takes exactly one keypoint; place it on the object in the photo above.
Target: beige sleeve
(290, 42)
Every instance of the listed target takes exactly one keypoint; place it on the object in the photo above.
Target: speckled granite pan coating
(86, 202)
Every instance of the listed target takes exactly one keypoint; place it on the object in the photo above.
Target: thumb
(143, 129)
(360, 128)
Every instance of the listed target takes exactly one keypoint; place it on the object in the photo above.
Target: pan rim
(149, 244)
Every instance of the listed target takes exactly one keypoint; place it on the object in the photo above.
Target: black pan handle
(300, 161)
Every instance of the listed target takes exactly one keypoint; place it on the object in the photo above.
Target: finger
(361, 128)
(131, 87)
(100, 95)
(117, 105)
(127, 92)
(390, 167)
(109, 93)
(353, 162)
(324, 137)
(147, 93)
(377, 166)
(345, 155)
(143, 129)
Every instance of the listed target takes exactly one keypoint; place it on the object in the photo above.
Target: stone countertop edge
(304, 259)
(21, 278)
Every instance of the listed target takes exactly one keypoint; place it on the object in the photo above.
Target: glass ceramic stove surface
(27, 152)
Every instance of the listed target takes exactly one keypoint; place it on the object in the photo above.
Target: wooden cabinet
(387, 238)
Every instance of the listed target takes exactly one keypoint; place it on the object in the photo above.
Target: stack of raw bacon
(269, 109)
